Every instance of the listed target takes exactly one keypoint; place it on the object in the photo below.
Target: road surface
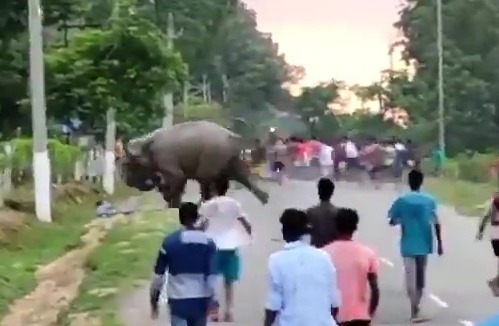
(457, 294)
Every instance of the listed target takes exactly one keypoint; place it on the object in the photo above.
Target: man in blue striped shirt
(188, 255)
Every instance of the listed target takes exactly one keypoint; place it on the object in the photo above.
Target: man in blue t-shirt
(416, 213)
(189, 257)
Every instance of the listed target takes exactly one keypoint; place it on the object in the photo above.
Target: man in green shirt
(437, 158)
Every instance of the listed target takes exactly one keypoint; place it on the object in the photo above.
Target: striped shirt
(188, 255)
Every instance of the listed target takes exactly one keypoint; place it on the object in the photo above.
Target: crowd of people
(321, 262)
(370, 155)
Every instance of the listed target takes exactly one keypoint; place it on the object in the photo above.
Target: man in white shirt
(326, 160)
(351, 154)
(302, 285)
(227, 226)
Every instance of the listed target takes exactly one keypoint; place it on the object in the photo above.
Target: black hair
(221, 186)
(415, 179)
(294, 224)
(188, 213)
(325, 188)
(347, 221)
(98, 203)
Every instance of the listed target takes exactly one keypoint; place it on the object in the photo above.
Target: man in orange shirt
(357, 272)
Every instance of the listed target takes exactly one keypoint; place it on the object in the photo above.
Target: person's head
(99, 203)
(325, 189)
(188, 214)
(347, 221)
(294, 224)
(221, 186)
(415, 180)
(279, 142)
(258, 141)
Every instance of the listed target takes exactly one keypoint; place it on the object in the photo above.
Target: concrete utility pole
(109, 155)
(171, 36)
(441, 109)
(41, 161)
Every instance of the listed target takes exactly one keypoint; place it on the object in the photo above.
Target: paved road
(456, 295)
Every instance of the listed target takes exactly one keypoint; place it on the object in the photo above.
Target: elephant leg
(205, 191)
(240, 173)
(172, 187)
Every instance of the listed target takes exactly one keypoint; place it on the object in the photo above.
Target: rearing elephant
(197, 150)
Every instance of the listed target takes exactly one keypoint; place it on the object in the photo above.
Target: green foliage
(471, 56)
(125, 66)
(63, 157)
(202, 111)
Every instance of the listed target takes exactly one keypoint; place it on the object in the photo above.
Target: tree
(123, 66)
(471, 57)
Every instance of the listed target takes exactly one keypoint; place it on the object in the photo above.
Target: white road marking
(438, 301)
(466, 322)
(386, 262)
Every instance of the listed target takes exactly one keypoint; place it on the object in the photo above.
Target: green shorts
(228, 265)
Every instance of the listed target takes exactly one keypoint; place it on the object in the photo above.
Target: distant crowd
(336, 159)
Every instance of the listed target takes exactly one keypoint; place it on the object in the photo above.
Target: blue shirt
(188, 255)
(415, 212)
(302, 286)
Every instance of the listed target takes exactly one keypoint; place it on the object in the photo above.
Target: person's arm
(241, 217)
(438, 229)
(483, 222)
(332, 290)
(274, 301)
(158, 278)
(394, 214)
(372, 279)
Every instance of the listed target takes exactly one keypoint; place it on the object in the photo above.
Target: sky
(341, 39)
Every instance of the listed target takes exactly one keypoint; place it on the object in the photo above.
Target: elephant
(195, 150)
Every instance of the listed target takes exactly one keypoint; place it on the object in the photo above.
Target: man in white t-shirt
(351, 154)
(326, 160)
(227, 225)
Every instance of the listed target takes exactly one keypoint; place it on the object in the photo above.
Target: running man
(326, 160)
(191, 282)
(302, 287)
(357, 272)
(281, 157)
(352, 154)
(321, 217)
(373, 157)
(492, 217)
(224, 218)
(416, 214)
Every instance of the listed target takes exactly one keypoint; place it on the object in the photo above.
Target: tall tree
(471, 78)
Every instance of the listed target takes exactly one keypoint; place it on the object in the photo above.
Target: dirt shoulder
(42, 263)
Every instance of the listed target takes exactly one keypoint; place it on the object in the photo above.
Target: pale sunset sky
(342, 39)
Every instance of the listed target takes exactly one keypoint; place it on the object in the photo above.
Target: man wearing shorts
(224, 218)
(492, 217)
(416, 215)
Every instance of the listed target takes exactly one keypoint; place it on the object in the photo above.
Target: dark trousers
(356, 323)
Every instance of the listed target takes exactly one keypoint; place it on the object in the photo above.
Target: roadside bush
(472, 167)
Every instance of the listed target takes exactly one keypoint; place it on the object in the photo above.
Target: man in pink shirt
(357, 272)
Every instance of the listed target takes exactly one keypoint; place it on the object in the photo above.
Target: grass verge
(32, 243)
(124, 260)
(467, 197)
